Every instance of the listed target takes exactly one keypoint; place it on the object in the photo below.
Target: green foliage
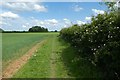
(38, 29)
(55, 31)
(98, 41)
(111, 6)
(1, 30)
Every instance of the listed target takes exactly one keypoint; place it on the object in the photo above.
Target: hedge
(98, 41)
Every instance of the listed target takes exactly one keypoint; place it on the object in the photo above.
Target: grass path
(52, 65)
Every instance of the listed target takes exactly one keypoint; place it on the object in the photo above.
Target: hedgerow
(98, 41)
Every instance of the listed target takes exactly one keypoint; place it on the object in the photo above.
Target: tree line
(32, 29)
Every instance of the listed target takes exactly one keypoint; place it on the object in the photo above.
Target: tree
(38, 29)
(112, 6)
(1, 30)
(55, 31)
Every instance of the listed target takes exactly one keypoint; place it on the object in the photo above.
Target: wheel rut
(53, 58)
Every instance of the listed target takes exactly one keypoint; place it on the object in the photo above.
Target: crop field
(15, 45)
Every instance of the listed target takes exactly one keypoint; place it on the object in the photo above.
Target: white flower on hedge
(98, 46)
(108, 36)
(104, 44)
(110, 22)
(94, 53)
(86, 30)
(95, 40)
(96, 31)
(97, 26)
(104, 17)
(91, 41)
(111, 36)
(117, 27)
(75, 32)
(96, 18)
(92, 49)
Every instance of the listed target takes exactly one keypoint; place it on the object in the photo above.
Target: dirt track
(17, 64)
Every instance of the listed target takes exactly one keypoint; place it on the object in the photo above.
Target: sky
(20, 16)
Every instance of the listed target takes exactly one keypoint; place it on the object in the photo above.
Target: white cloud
(27, 23)
(42, 22)
(88, 18)
(96, 11)
(24, 26)
(67, 21)
(2, 23)
(23, 23)
(9, 15)
(39, 22)
(77, 8)
(27, 0)
(24, 6)
(80, 22)
(65, 26)
(22, 0)
(51, 21)
(39, 8)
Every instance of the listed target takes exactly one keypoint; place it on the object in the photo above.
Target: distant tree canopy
(38, 29)
(55, 31)
(1, 30)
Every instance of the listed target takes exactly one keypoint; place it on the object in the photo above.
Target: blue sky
(51, 15)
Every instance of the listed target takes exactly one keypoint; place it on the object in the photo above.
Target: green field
(15, 45)
(54, 59)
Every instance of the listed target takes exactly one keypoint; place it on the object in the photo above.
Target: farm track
(53, 59)
(17, 64)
